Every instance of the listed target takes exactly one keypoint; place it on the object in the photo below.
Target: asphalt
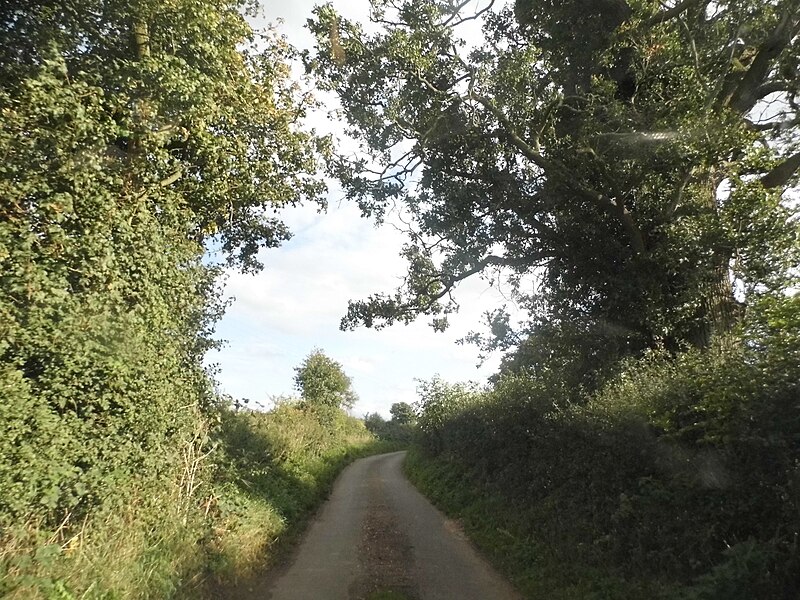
(378, 538)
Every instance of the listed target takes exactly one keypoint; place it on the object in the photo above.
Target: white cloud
(308, 282)
(359, 364)
(296, 303)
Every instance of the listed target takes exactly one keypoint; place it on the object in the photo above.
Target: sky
(295, 304)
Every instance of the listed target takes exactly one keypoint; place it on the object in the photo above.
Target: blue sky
(280, 315)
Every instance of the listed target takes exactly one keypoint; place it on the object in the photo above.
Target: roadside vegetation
(398, 430)
(677, 479)
(146, 147)
(626, 169)
(238, 491)
(274, 469)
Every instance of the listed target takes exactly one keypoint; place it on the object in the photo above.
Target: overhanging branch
(671, 13)
(554, 169)
(380, 310)
(783, 173)
(746, 93)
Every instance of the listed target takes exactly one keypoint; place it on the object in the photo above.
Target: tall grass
(235, 494)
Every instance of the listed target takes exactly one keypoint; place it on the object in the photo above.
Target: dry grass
(221, 516)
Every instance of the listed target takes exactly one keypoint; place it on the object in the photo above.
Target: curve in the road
(378, 538)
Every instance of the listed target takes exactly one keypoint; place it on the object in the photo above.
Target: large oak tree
(631, 156)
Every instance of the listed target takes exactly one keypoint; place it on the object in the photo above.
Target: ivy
(133, 133)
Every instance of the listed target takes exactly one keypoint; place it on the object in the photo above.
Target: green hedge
(680, 477)
(240, 492)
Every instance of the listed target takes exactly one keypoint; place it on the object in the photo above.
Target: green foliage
(232, 509)
(400, 429)
(274, 469)
(502, 532)
(150, 544)
(322, 383)
(439, 402)
(403, 413)
(677, 479)
(622, 168)
(135, 135)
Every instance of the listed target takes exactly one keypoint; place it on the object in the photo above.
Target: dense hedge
(134, 136)
(239, 492)
(678, 479)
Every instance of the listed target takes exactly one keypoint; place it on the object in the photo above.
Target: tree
(635, 170)
(180, 113)
(134, 134)
(376, 424)
(322, 382)
(402, 413)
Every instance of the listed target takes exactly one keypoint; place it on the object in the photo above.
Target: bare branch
(455, 11)
(168, 181)
(677, 197)
(774, 125)
(771, 87)
(477, 15)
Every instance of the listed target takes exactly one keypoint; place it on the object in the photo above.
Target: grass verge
(232, 510)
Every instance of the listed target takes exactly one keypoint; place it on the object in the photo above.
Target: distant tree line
(399, 428)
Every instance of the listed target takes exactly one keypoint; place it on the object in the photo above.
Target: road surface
(378, 538)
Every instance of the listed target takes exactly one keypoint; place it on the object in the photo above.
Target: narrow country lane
(377, 537)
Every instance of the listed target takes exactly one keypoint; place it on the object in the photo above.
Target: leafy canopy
(322, 382)
(403, 413)
(134, 133)
(628, 156)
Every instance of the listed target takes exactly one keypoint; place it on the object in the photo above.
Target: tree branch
(677, 196)
(454, 12)
(771, 87)
(554, 169)
(783, 173)
(390, 309)
(168, 181)
(488, 261)
(476, 16)
(774, 125)
(745, 95)
(141, 39)
(671, 13)
(448, 283)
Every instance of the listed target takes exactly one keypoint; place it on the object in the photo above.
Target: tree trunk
(141, 39)
(719, 311)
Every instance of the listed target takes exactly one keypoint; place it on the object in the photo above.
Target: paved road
(377, 537)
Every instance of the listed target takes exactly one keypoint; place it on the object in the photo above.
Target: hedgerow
(135, 135)
(239, 492)
(677, 479)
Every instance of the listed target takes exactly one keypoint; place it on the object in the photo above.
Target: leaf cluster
(634, 170)
(134, 136)
(676, 479)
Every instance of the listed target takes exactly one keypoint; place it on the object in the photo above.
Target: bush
(681, 470)
(235, 494)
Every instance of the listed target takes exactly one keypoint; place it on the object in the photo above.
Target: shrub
(682, 468)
